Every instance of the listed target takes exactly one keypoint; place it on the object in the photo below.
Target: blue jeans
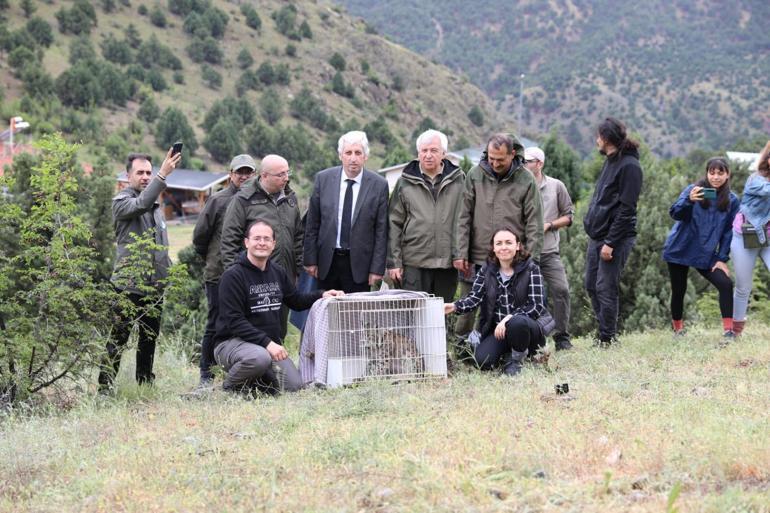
(602, 282)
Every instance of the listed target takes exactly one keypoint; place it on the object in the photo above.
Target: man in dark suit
(346, 236)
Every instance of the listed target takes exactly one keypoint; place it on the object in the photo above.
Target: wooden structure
(187, 190)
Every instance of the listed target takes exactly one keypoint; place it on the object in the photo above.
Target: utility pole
(520, 113)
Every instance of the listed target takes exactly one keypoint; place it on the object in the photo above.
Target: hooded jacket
(207, 235)
(489, 202)
(138, 212)
(253, 202)
(611, 215)
(250, 302)
(701, 236)
(421, 227)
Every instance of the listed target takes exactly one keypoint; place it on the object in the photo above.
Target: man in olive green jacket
(423, 210)
(499, 191)
(206, 240)
(136, 212)
(271, 199)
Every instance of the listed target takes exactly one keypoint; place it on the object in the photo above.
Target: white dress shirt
(343, 188)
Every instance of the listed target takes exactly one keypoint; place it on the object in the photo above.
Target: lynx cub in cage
(392, 354)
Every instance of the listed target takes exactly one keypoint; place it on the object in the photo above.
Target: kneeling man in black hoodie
(248, 343)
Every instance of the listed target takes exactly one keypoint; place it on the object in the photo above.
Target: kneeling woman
(701, 239)
(513, 319)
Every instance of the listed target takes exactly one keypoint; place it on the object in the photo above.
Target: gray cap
(242, 160)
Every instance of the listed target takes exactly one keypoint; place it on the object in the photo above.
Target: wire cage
(387, 338)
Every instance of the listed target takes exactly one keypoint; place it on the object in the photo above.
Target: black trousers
(439, 282)
(340, 276)
(602, 282)
(719, 279)
(146, 316)
(207, 343)
(521, 334)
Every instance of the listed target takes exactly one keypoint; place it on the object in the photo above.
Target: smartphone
(709, 193)
(176, 148)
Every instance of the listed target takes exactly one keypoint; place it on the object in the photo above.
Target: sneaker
(680, 333)
(563, 344)
(728, 334)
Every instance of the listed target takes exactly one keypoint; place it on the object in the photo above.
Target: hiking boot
(563, 344)
(604, 342)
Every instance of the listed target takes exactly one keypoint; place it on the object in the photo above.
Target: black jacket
(519, 285)
(208, 232)
(611, 215)
(250, 302)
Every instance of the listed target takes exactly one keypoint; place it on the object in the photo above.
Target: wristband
(161, 177)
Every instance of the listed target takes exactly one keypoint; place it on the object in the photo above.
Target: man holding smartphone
(137, 212)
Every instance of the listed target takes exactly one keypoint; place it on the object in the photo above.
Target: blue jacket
(701, 236)
(755, 204)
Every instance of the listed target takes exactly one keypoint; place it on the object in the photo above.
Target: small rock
(540, 474)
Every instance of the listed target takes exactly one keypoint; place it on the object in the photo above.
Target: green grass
(647, 420)
(179, 237)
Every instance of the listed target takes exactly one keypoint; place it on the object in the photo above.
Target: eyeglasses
(244, 171)
(283, 174)
(530, 161)
(261, 239)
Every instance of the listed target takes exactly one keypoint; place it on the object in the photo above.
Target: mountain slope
(377, 85)
(683, 73)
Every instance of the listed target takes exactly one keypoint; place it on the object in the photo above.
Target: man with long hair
(611, 223)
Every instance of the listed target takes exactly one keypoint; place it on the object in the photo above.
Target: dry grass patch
(642, 419)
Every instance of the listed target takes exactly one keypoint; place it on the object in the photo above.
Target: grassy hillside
(265, 53)
(648, 423)
(685, 74)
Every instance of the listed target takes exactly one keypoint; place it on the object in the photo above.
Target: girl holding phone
(751, 231)
(701, 239)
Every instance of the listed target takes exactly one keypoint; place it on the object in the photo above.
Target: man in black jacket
(251, 292)
(206, 240)
(611, 223)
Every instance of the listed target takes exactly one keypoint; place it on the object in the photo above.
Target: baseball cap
(242, 160)
(534, 153)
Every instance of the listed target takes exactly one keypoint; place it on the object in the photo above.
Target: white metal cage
(385, 337)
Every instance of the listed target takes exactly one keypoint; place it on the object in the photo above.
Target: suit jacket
(369, 229)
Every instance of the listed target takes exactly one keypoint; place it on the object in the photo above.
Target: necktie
(347, 215)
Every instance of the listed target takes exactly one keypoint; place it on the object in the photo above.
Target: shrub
(57, 314)
(116, 51)
(148, 110)
(271, 106)
(157, 16)
(476, 116)
(78, 19)
(252, 17)
(338, 62)
(244, 59)
(173, 126)
(40, 31)
(211, 77)
(222, 140)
